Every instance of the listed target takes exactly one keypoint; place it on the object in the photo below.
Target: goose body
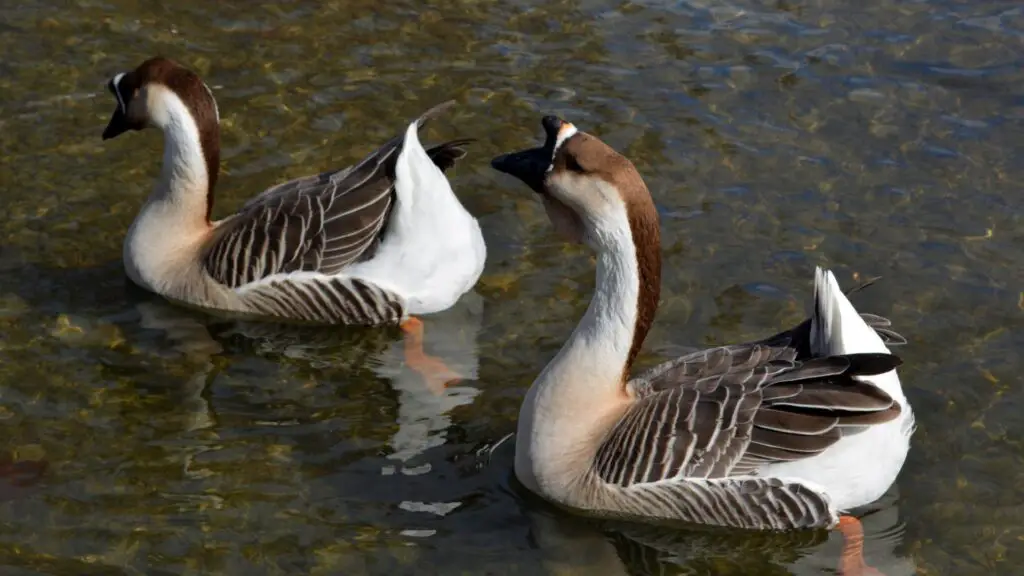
(368, 244)
(785, 432)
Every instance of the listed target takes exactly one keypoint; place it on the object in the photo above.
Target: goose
(371, 244)
(781, 433)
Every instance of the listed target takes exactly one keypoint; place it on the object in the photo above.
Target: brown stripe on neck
(585, 153)
(643, 221)
(199, 101)
(210, 141)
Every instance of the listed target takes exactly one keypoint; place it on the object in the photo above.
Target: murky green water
(876, 137)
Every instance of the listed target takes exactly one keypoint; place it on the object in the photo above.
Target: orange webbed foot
(435, 373)
(851, 562)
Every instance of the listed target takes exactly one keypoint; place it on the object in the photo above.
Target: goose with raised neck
(771, 434)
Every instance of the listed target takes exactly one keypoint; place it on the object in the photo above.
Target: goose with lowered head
(782, 433)
(369, 244)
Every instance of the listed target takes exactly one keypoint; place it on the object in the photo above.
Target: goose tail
(444, 155)
(836, 326)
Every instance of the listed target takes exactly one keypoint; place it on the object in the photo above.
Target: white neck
(583, 385)
(183, 184)
(163, 239)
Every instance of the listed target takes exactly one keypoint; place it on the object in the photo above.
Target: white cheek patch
(117, 92)
(567, 131)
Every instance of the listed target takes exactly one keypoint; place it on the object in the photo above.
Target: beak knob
(552, 125)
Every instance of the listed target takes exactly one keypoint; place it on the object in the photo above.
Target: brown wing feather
(317, 223)
(724, 411)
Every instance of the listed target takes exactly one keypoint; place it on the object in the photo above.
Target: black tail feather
(446, 155)
(872, 363)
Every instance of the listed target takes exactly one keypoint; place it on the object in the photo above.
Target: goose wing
(689, 447)
(726, 411)
(320, 223)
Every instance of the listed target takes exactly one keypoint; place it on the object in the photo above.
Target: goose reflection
(429, 369)
(190, 339)
(425, 398)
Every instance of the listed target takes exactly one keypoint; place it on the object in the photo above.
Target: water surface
(876, 138)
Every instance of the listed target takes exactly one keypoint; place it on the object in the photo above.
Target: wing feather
(740, 501)
(319, 223)
(725, 411)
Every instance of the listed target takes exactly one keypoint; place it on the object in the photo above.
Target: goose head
(594, 195)
(144, 97)
(590, 192)
(164, 94)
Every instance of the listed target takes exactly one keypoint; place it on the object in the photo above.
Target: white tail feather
(433, 251)
(836, 327)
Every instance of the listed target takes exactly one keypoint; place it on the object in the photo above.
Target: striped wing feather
(740, 502)
(332, 300)
(320, 223)
(724, 412)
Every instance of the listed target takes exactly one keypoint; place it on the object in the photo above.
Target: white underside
(858, 469)
(433, 251)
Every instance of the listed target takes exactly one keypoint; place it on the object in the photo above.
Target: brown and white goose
(781, 433)
(369, 244)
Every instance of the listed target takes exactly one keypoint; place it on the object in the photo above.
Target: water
(878, 138)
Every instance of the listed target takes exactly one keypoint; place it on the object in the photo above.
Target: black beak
(531, 165)
(118, 124)
(527, 165)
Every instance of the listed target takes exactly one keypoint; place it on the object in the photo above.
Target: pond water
(878, 138)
